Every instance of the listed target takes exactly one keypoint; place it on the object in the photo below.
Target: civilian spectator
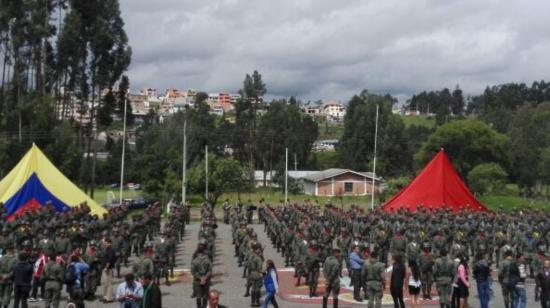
(482, 273)
(398, 276)
(271, 284)
(129, 293)
(152, 297)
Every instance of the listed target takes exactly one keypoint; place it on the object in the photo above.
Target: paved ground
(227, 277)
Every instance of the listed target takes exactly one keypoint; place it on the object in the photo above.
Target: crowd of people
(430, 248)
(43, 251)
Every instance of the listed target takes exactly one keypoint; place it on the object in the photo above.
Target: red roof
(437, 186)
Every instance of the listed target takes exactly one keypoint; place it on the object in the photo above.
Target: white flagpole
(374, 162)
(206, 173)
(286, 175)
(123, 152)
(184, 169)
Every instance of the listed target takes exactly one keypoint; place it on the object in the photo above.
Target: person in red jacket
(37, 279)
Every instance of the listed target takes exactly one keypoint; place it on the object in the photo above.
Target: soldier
(226, 210)
(92, 258)
(312, 268)
(504, 272)
(287, 247)
(255, 275)
(425, 263)
(118, 246)
(413, 251)
(160, 260)
(443, 275)
(144, 265)
(499, 241)
(537, 264)
(7, 263)
(382, 243)
(373, 275)
(439, 243)
(332, 271)
(62, 244)
(54, 277)
(398, 244)
(201, 269)
(344, 242)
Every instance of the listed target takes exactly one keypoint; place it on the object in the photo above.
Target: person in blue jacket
(271, 284)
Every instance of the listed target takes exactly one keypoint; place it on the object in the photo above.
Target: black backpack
(513, 275)
(70, 274)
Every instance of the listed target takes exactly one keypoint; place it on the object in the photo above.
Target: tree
(529, 134)
(468, 143)
(357, 143)
(488, 177)
(244, 138)
(285, 126)
(458, 104)
(224, 175)
(544, 170)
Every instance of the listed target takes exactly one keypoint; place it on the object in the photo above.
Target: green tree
(224, 175)
(529, 134)
(468, 143)
(357, 143)
(244, 132)
(487, 177)
(544, 170)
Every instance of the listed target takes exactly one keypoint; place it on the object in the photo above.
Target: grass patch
(512, 202)
(419, 121)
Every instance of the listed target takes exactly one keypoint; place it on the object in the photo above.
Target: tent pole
(374, 162)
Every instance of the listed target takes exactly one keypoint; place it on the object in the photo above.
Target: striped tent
(35, 181)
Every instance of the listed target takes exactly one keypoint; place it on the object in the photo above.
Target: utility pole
(206, 172)
(184, 168)
(123, 152)
(295, 163)
(286, 175)
(374, 162)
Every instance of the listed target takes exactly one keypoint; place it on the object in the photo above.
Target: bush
(485, 178)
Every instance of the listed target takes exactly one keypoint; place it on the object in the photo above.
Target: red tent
(437, 186)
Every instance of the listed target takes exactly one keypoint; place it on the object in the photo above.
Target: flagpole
(206, 172)
(184, 168)
(123, 152)
(374, 161)
(286, 175)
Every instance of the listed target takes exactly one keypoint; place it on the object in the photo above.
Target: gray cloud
(326, 49)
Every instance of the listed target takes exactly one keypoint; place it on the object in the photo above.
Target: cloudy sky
(332, 49)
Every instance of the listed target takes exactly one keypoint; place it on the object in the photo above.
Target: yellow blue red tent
(35, 181)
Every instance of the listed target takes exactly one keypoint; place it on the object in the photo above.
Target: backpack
(70, 275)
(513, 275)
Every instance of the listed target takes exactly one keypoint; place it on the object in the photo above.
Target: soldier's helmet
(148, 245)
(93, 243)
(313, 244)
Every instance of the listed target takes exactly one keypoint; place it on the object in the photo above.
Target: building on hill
(334, 110)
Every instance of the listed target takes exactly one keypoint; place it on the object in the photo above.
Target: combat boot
(335, 302)
(247, 293)
(325, 302)
(199, 302)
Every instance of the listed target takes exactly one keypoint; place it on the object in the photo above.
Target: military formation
(203, 257)
(307, 236)
(248, 251)
(50, 243)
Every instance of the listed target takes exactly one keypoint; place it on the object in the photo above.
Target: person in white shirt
(129, 292)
